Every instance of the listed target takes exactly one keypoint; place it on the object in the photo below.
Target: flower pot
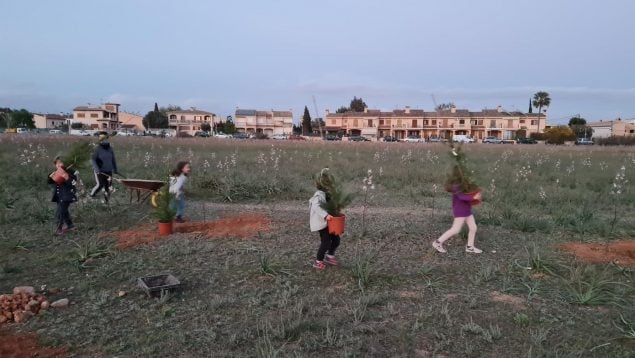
(475, 201)
(165, 228)
(336, 225)
(59, 176)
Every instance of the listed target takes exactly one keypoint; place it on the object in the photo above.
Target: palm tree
(541, 99)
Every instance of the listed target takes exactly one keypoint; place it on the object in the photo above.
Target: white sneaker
(473, 250)
(438, 246)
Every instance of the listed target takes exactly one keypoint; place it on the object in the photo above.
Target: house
(104, 117)
(265, 122)
(43, 121)
(618, 127)
(131, 122)
(401, 123)
(190, 121)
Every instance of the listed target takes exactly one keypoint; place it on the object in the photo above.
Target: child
(318, 218)
(64, 195)
(462, 211)
(178, 178)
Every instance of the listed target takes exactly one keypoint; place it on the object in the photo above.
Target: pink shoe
(319, 265)
(438, 246)
(331, 260)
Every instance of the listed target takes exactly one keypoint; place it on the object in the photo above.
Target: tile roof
(191, 111)
(86, 108)
(419, 113)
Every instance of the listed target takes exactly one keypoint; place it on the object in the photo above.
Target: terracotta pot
(336, 225)
(165, 229)
(59, 177)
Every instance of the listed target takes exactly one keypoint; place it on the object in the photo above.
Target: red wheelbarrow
(143, 188)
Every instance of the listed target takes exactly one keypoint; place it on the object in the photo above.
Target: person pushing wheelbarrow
(104, 165)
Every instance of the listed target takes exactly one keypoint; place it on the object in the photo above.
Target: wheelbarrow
(143, 188)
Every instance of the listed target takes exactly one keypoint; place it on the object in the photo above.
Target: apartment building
(265, 122)
(190, 121)
(406, 122)
(618, 127)
(103, 117)
(131, 122)
(43, 121)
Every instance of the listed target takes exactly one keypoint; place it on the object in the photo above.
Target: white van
(462, 138)
(22, 130)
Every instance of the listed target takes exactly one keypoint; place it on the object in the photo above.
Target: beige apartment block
(43, 121)
(104, 117)
(406, 122)
(618, 128)
(190, 121)
(131, 122)
(265, 122)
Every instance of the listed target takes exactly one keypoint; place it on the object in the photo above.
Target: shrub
(558, 135)
(164, 211)
(338, 198)
(614, 140)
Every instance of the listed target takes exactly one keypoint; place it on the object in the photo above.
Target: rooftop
(434, 114)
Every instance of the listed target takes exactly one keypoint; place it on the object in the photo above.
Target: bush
(559, 135)
(183, 135)
(538, 136)
(613, 140)
(261, 136)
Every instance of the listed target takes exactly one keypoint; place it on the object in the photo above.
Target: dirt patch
(620, 252)
(26, 345)
(243, 226)
(516, 302)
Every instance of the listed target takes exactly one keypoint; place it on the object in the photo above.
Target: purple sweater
(461, 207)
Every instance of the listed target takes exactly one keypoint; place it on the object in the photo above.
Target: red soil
(26, 345)
(620, 252)
(243, 226)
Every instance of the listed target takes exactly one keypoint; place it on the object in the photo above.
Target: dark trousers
(62, 215)
(328, 243)
(103, 182)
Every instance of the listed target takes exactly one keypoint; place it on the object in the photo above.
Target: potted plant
(164, 212)
(336, 200)
(461, 173)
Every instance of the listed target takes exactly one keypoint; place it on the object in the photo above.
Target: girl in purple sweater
(462, 211)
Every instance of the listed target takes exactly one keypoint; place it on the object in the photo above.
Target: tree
(558, 135)
(521, 133)
(577, 121)
(170, 108)
(541, 99)
(226, 127)
(317, 123)
(297, 130)
(21, 118)
(4, 117)
(156, 107)
(155, 119)
(357, 105)
(206, 127)
(306, 122)
(444, 106)
(530, 107)
(343, 109)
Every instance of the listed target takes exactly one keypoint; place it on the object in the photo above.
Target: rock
(121, 293)
(24, 289)
(60, 303)
(44, 305)
(21, 316)
(54, 290)
(3, 319)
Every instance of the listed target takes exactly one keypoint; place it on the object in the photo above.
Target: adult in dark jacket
(104, 165)
(64, 194)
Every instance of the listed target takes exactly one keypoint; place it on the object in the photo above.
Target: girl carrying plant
(178, 179)
(318, 221)
(462, 188)
(64, 195)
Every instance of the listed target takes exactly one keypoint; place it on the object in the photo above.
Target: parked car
(584, 141)
(413, 139)
(296, 137)
(462, 138)
(222, 135)
(358, 138)
(526, 141)
(241, 135)
(435, 139)
(390, 139)
(279, 137)
(332, 137)
(126, 134)
(22, 130)
(202, 134)
(55, 131)
(493, 140)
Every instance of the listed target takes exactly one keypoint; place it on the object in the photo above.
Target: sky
(280, 54)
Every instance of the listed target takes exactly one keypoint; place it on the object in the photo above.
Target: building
(618, 128)
(131, 122)
(104, 117)
(406, 122)
(265, 122)
(42, 121)
(190, 121)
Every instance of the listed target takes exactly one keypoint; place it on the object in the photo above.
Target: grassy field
(392, 295)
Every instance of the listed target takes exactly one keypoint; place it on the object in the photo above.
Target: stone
(45, 305)
(21, 316)
(60, 303)
(121, 293)
(24, 289)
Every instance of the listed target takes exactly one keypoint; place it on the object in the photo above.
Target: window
(81, 115)
(399, 123)
(522, 121)
(414, 123)
(332, 122)
(492, 124)
(388, 121)
(381, 122)
(434, 122)
(173, 116)
(370, 123)
(461, 121)
(94, 115)
(182, 118)
(425, 122)
(534, 122)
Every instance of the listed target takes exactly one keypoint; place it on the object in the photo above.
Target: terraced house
(265, 122)
(406, 122)
(105, 116)
(190, 121)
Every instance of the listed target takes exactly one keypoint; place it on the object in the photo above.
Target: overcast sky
(219, 55)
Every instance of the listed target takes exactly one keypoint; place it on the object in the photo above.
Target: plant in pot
(164, 211)
(461, 174)
(76, 158)
(336, 200)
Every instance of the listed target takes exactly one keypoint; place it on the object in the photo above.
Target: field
(254, 293)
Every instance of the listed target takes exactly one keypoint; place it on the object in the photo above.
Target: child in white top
(318, 219)
(178, 179)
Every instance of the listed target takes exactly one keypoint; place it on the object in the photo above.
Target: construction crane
(434, 100)
(317, 116)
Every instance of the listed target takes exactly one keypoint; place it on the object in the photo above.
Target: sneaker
(179, 220)
(439, 246)
(473, 250)
(319, 265)
(69, 228)
(58, 232)
(331, 260)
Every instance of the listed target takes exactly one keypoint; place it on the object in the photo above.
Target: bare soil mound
(26, 345)
(620, 252)
(243, 226)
